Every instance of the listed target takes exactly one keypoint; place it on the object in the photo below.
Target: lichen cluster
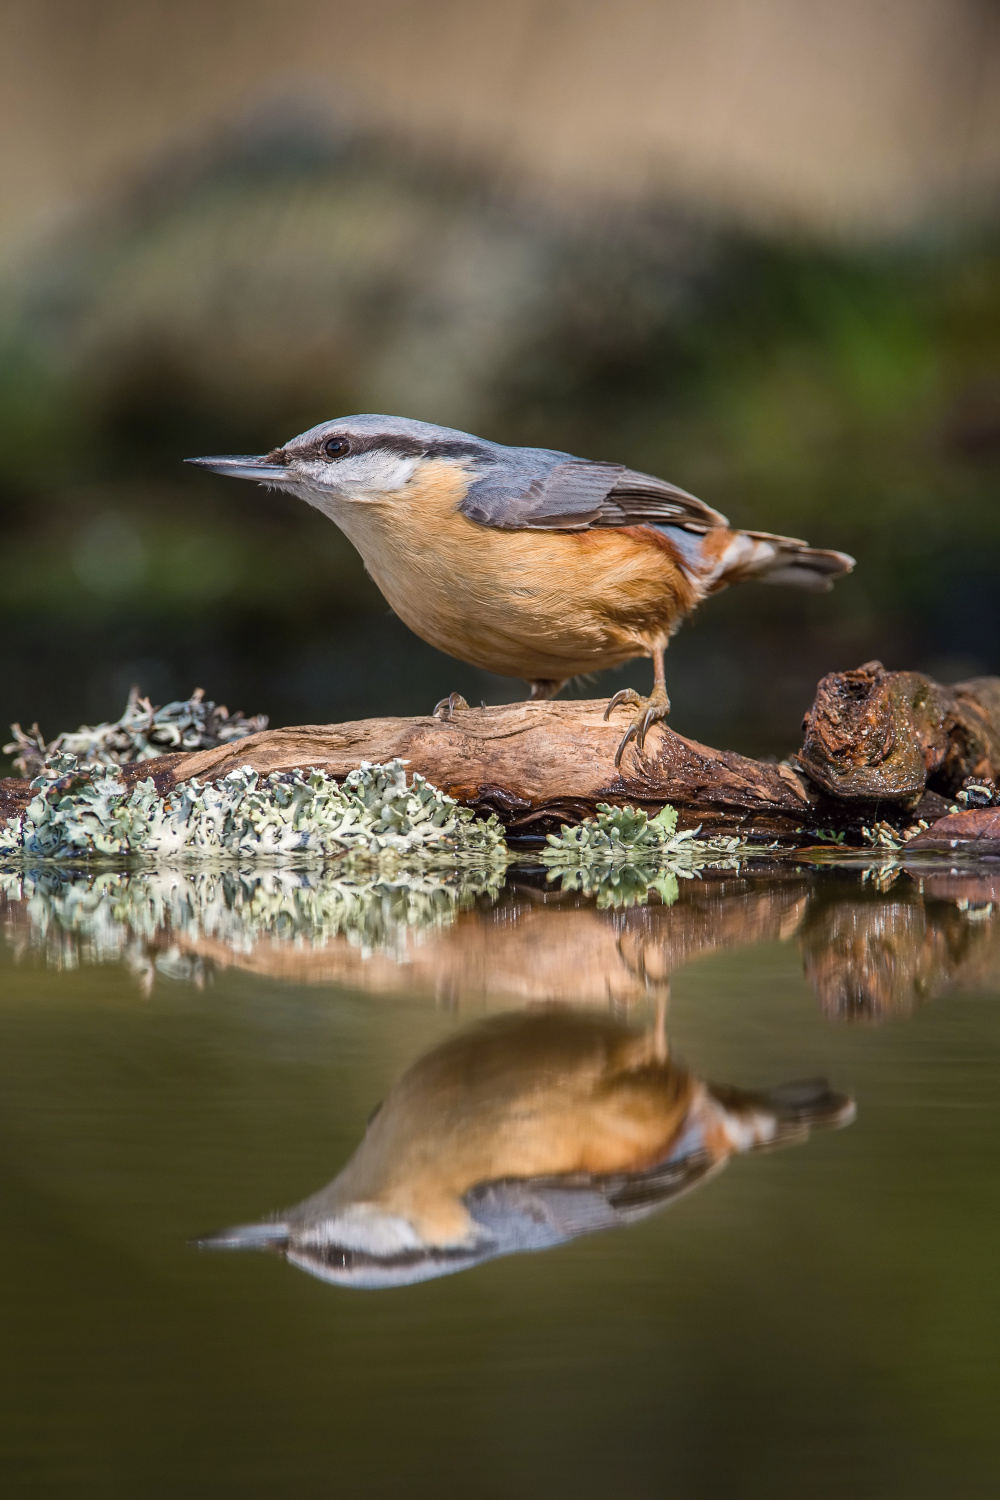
(142, 733)
(885, 835)
(155, 921)
(622, 854)
(627, 834)
(616, 832)
(87, 812)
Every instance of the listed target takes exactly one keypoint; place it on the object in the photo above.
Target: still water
(561, 1192)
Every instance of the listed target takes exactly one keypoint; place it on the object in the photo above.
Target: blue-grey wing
(575, 494)
(534, 1213)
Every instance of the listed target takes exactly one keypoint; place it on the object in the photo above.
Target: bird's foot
(651, 710)
(448, 707)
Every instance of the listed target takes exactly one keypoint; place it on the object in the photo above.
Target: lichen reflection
(173, 922)
(461, 938)
(870, 949)
(520, 1134)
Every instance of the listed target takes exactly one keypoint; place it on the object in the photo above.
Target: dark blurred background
(753, 247)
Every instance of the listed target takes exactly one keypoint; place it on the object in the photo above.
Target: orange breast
(553, 1094)
(532, 604)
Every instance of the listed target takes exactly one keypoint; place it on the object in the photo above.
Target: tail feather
(718, 558)
(779, 1116)
(796, 564)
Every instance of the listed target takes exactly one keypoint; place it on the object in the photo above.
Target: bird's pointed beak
(266, 1235)
(244, 466)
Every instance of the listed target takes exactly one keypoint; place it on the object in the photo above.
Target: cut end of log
(876, 736)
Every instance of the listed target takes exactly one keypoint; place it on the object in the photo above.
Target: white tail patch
(716, 558)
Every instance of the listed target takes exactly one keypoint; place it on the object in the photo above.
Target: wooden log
(538, 765)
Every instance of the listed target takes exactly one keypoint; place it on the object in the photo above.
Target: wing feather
(641, 499)
(575, 494)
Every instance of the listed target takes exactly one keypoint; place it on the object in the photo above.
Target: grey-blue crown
(405, 435)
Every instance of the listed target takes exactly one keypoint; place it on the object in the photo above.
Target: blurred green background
(748, 248)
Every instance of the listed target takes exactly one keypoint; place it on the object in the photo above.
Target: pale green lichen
(155, 920)
(622, 854)
(884, 835)
(627, 834)
(616, 832)
(143, 732)
(87, 812)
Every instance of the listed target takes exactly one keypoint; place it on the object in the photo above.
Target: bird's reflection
(522, 1133)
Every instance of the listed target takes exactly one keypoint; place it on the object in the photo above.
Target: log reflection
(871, 954)
(520, 1134)
(524, 949)
(873, 944)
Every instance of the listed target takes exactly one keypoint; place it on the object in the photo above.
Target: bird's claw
(651, 711)
(624, 695)
(447, 707)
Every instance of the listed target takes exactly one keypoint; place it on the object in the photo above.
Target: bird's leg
(661, 1047)
(652, 710)
(447, 707)
(544, 687)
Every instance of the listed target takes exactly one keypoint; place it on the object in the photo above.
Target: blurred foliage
(239, 296)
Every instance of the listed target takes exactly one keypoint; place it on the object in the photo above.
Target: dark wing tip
(645, 498)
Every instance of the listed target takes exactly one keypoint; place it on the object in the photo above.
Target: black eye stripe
(388, 442)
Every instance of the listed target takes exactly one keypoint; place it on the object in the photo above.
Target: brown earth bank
(878, 747)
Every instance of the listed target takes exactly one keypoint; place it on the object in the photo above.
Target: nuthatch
(525, 561)
(520, 1134)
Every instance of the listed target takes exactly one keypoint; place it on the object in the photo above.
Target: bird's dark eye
(336, 447)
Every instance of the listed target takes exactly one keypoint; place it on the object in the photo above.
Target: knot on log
(874, 735)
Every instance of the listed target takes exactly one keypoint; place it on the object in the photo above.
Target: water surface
(182, 1054)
